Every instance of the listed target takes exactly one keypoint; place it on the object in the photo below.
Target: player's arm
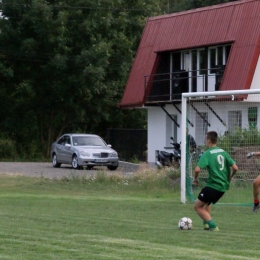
(196, 175)
(249, 155)
(234, 169)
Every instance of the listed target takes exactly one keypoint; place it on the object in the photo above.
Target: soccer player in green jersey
(221, 168)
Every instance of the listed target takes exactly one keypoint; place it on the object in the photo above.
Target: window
(202, 62)
(212, 60)
(175, 61)
(171, 130)
(64, 140)
(252, 117)
(193, 75)
(201, 127)
(186, 60)
(67, 139)
(220, 56)
(234, 120)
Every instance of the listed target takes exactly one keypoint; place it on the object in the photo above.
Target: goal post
(235, 116)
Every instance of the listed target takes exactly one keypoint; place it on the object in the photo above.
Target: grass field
(100, 218)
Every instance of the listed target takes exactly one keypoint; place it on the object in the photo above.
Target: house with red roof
(208, 49)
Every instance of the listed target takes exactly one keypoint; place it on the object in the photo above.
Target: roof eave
(130, 105)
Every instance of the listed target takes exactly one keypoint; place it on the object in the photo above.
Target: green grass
(115, 218)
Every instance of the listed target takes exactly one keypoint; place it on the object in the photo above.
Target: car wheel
(90, 167)
(55, 163)
(112, 168)
(74, 163)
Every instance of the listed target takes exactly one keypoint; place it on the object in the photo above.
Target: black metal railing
(169, 86)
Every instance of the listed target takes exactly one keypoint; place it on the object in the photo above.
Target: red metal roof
(235, 22)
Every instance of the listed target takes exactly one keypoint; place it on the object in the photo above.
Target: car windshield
(87, 141)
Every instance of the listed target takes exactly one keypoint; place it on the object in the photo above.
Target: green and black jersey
(218, 163)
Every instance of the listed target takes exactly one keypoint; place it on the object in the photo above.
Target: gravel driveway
(46, 169)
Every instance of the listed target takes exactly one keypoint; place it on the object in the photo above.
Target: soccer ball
(185, 223)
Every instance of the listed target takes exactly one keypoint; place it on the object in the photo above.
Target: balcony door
(211, 65)
(205, 66)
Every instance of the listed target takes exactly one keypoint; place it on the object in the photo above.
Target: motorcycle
(170, 159)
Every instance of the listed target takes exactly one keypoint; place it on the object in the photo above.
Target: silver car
(83, 150)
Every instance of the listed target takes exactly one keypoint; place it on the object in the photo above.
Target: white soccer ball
(185, 223)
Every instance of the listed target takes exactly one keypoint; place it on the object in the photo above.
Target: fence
(131, 144)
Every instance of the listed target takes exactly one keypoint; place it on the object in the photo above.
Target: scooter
(169, 159)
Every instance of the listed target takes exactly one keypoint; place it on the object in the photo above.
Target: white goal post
(221, 106)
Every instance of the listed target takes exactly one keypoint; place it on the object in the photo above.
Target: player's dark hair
(212, 136)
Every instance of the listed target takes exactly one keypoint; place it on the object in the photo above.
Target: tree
(192, 4)
(65, 64)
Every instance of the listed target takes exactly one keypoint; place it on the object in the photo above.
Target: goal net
(234, 116)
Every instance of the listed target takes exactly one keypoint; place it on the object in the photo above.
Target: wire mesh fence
(131, 144)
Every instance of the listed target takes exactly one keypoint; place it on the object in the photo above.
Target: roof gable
(237, 22)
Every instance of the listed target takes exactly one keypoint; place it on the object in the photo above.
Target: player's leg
(203, 210)
(256, 185)
(202, 207)
(207, 207)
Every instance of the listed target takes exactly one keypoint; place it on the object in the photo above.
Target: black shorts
(210, 195)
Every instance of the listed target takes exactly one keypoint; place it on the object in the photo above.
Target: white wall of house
(156, 119)
(158, 136)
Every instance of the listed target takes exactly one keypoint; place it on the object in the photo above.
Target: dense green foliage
(64, 65)
(192, 4)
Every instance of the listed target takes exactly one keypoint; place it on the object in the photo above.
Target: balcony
(168, 87)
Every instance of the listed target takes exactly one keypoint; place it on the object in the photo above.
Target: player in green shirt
(219, 164)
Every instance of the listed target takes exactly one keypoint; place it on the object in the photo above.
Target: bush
(240, 137)
(7, 148)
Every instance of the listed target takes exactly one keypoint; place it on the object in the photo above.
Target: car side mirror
(109, 145)
(68, 145)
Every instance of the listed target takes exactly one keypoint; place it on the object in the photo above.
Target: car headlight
(114, 154)
(85, 154)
